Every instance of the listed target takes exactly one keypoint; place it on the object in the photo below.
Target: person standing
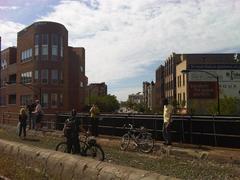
(30, 108)
(23, 122)
(71, 132)
(94, 111)
(167, 122)
(38, 114)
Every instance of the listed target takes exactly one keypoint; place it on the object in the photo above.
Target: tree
(108, 103)
(228, 106)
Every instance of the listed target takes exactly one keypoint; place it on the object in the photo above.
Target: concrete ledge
(59, 165)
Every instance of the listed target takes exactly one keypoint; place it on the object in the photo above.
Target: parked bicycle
(88, 147)
(141, 139)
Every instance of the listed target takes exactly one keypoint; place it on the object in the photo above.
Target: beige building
(197, 91)
(169, 77)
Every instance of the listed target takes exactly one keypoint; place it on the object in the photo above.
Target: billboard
(229, 81)
(202, 90)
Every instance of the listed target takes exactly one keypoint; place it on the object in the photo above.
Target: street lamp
(186, 71)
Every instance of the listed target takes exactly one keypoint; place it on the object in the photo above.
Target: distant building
(44, 67)
(145, 92)
(149, 94)
(169, 77)
(159, 89)
(136, 98)
(96, 89)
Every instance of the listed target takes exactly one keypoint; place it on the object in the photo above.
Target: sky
(127, 40)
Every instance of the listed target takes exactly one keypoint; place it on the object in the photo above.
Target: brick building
(159, 89)
(43, 67)
(95, 89)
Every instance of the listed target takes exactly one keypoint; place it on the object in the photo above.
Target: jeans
(30, 120)
(94, 126)
(167, 132)
(73, 145)
(22, 127)
(33, 119)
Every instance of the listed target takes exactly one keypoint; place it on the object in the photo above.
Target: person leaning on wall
(167, 122)
(94, 111)
(38, 114)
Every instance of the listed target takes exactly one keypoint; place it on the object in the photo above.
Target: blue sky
(126, 41)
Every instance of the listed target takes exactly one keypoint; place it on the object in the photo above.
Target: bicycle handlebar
(130, 126)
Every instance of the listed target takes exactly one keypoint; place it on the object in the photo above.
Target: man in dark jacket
(71, 132)
(30, 108)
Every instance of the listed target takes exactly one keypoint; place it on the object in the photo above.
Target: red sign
(202, 90)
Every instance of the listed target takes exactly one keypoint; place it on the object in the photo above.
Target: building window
(54, 45)
(61, 46)
(180, 81)
(2, 101)
(44, 100)
(25, 99)
(3, 64)
(36, 39)
(44, 46)
(26, 77)
(44, 39)
(183, 79)
(61, 77)
(12, 99)
(45, 50)
(184, 97)
(36, 50)
(36, 44)
(54, 76)
(12, 78)
(81, 84)
(44, 76)
(54, 100)
(54, 50)
(81, 69)
(60, 99)
(26, 55)
(36, 75)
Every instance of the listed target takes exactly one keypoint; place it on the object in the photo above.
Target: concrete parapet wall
(59, 165)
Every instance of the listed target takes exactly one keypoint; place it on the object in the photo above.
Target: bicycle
(88, 147)
(141, 138)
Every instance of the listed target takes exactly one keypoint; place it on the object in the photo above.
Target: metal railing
(201, 130)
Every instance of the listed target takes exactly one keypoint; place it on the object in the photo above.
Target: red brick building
(95, 89)
(43, 67)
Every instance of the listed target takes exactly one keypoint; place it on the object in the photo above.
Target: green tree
(139, 107)
(108, 103)
(228, 106)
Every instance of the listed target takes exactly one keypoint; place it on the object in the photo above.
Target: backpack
(70, 128)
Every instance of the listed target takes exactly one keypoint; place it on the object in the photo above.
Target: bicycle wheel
(125, 142)
(62, 147)
(146, 143)
(96, 152)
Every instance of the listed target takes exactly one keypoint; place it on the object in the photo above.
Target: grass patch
(170, 166)
(13, 169)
